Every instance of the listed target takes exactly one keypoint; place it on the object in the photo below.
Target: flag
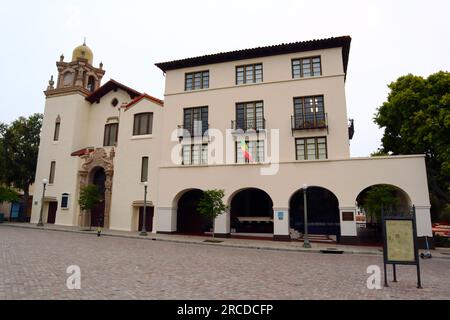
(244, 148)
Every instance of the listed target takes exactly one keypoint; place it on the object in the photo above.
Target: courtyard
(33, 265)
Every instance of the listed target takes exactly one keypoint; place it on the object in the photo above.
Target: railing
(305, 123)
(191, 131)
(258, 124)
(351, 129)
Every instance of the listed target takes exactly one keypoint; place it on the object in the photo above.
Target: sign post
(400, 243)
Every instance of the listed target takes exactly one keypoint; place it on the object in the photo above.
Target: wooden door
(148, 218)
(52, 207)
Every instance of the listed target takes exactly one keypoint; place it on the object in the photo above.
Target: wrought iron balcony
(351, 129)
(191, 131)
(258, 124)
(306, 123)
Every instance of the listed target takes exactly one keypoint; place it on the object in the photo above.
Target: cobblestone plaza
(33, 265)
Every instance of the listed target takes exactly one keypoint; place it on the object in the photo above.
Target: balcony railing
(259, 124)
(305, 123)
(191, 131)
(351, 129)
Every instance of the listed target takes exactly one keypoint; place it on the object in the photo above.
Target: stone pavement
(33, 265)
(236, 243)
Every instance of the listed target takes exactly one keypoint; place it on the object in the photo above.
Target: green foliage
(90, 197)
(8, 195)
(416, 119)
(19, 146)
(211, 204)
(378, 197)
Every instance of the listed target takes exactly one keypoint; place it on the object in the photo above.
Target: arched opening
(251, 212)
(370, 202)
(322, 211)
(189, 221)
(98, 178)
(91, 83)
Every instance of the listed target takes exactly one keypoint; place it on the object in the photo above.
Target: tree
(19, 147)
(8, 195)
(90, 197)
(416, 119)
(378, 197)
(211, 204)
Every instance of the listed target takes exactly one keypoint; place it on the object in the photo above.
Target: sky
(389, 39)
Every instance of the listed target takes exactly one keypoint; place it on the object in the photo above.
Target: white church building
(262, 124)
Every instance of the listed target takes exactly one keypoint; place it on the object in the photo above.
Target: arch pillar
(281, 228)
(222, 225)
(347, 216)
(165, 219)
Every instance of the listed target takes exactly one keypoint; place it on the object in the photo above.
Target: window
(51, 177)
(144, 169)
(195, 154)
(311, 148)
(309, 112)
(255, 149)
(196, 80)
(143, 123)
(65, 201)
(306, 67)
(110, 137)
(91, 84)
(251, 73)
(195, 120)
(57, 126)
(250, 115)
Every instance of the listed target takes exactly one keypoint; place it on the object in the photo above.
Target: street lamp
(306, 243)
(144, 230)
(44, 183)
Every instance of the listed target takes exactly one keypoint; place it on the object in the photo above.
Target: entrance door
(51, 216)
(148, 218)
(98, 213)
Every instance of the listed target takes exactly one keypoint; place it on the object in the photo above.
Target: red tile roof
(142, 96)
(284, 48)
(82, 152)
(107, 87)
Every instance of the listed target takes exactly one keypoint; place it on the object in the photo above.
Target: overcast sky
(389, 39)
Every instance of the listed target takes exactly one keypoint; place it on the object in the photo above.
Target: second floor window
(51, 177)
(195, 120)
(306, 67)
(144, 169)
(251, 73)
(195, 154)
(311, 148)
(143, 123)
(196, 80)
(250, 151)
(110, 136)
(309, 112)
(250, 115)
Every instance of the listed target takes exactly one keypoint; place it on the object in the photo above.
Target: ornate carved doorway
(98, 168)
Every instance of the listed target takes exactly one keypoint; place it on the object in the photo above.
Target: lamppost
(44, 183)
(144, 230)
(306, 243)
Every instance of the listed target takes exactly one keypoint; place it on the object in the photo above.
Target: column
(165, 220)
(222, 225)
(281, 224)
(348, 225)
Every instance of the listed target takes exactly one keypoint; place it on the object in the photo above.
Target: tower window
(143, 123)
(91, 83)
(144, 169)
(57, 126)
(51, 177)
(65, 201)
(114, 102)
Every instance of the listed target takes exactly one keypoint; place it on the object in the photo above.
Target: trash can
(2, 217)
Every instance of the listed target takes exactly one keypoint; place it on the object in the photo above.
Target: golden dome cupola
(83, 52)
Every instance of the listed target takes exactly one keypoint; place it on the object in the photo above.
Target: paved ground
(33, 266)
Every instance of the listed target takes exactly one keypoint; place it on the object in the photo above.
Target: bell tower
(79, 75)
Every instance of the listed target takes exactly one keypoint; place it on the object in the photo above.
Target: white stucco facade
(83, 116)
